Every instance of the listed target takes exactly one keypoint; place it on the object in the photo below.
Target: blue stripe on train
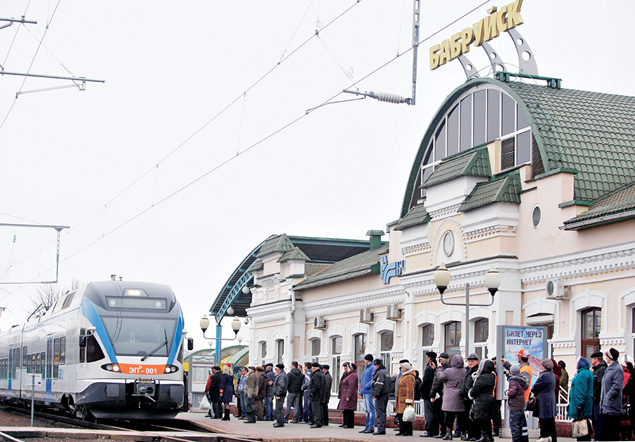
(89, 311)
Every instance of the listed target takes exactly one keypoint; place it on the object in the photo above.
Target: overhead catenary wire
(252, 146)
(243, 95)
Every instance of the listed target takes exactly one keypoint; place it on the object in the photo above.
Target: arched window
(452, 338)
(591, 325)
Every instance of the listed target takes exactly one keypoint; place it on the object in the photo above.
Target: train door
(49, 368)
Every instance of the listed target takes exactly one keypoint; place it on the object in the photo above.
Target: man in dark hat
(251, 390)
(599, 368)
(432, 426)
(280, 392)
(611, 396)
(381, 393)
(316, 393)
(268, 401)
(328, 383)
(436, 394)
(214, 392)
(365, 389)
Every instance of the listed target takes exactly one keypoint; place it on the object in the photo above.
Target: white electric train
(112, 349)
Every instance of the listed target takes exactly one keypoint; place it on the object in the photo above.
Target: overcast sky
(182, 162)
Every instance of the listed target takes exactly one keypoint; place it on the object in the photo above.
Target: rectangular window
(25, 358)
(493, 114)
(508, 153)
(480, 117)
(523, 147)
(452, 337)
(315, 347)
(508, 115)
(62, 350)
(56, 358)
(280, 344)
(453, 131)
(521, 120)
(466, 123)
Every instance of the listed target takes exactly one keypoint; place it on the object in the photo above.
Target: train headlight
(111, 367)
(170, 369)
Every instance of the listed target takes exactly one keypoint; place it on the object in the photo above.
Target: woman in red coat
(348, 394)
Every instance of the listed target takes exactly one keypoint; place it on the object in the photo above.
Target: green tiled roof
(415, 216)
(277, 243)
(616, 206)
(592, 133)
(257, 265)
(295, 254)
(474, 162)
(365, 263)
(501, 189)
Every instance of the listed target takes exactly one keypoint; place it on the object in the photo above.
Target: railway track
(176, 430)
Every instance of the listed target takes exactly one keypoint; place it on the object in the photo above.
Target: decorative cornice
(354, 303)
(488, 232)
(580, 266)
(445, 212)
(417, 248)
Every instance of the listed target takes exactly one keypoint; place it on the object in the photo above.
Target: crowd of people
(459, 398)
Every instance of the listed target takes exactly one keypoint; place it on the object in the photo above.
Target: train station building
(532, 179)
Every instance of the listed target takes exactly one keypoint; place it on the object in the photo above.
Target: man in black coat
(214, 392)
(381, 393)
(468, 383)
(598, 365)
(432, 426)
(295, 378)
(327, 394)
(316, 393)
(436, 394)
(280, 384)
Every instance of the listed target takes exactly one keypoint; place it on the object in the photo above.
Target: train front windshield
(134, 336)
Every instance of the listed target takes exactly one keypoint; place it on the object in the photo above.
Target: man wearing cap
(251, 390)
(279, 392)
(328, 383)
(365, 389)
(381, 393)
(525, 370)
(599, 368)
(268, 401)
(432, 426)
(316, 393)
(466, 386)
(436, 393)
(611, 396)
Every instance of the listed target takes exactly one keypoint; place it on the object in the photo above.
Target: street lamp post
(442, 280)
(204, 323)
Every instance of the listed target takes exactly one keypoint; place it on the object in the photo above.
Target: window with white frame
(481, 335)
(385, 346)
(263, 351)
(359, 343)
(315, 349)
(427, 335)
(280, 350)
(336, 361)
(452, 338)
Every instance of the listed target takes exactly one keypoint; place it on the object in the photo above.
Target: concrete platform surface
(264, 430)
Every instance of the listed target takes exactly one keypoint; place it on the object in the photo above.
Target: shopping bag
(580, 428)
(408, 414)
(532, 403)
(204, 405)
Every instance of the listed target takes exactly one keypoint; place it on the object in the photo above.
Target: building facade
(531, 179)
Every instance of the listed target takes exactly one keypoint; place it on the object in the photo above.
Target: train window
(16, 362)
(82, 348)
(93, 350)
(42, 364)
(62, 350)
(25, 357)
(68, 300)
